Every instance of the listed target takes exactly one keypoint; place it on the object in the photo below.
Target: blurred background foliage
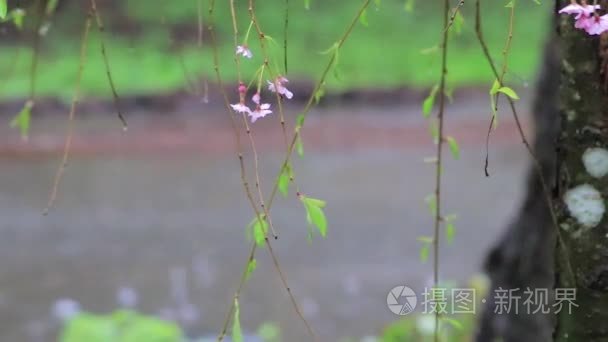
(153, 46)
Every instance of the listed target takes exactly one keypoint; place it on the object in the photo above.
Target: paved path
(140, 209)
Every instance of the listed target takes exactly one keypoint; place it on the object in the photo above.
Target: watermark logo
(401, 300)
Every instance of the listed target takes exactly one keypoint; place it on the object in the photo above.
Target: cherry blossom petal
(244, 51)
(256, 98)
(240, 108)
(260, 112)
(579, 10)
(598, 25)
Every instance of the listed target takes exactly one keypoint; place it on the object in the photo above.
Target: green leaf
(251, 266)
(284, 180)
(3, 9)
(424, 252)
(509, 92)
(259, 226)
(495, 87)
(431, 201)
(299, 146)
(315, 214)
(458, 23)
(17, 14)
(450, 231)
(316, 202)
(300, 121)
(363, 18)
(22, 120)
(307, 4)
(454, 148)
(427, 104)
(237, 334)
(425, 239)
(331, 50)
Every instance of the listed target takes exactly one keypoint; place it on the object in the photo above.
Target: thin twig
(248, 129)
(305, 112)
(70, 130)
(505, 63)
(538, 167)
(200, 22)
(285, 31)
(261, 198)
(101, 30)
(311, 98)
(439, 163)
(41, 17)
(241, 163)
(454, 14)
(273, 76)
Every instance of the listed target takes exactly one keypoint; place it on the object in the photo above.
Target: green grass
(386, 53)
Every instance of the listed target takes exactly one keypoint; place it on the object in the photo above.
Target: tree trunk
(571, 122)
(581, 197)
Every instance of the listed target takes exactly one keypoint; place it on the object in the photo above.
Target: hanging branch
(40, 18)
(266, 55)
(505, 54)
(248, 129)
(536, 162)
(439, 154)
(292, 144)
(101, 30)
(75, 100)
(454, 14)
(260, 217)
(285, 31)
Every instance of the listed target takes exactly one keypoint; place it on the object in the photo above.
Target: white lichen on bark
(586, 205)
(595, 160)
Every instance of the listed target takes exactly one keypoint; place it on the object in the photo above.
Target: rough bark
(570, 116)
(583, 111)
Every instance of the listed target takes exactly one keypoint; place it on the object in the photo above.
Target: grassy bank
(397, 48)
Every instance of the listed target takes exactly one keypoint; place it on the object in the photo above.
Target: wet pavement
(161, 209)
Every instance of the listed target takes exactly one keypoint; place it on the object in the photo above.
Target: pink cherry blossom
(587, 18)
(244, 51)
(260, 112)
(256, 98)
(579, 10)
(584, 22)
(279, 87)
(241, 108)
(598, 25)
